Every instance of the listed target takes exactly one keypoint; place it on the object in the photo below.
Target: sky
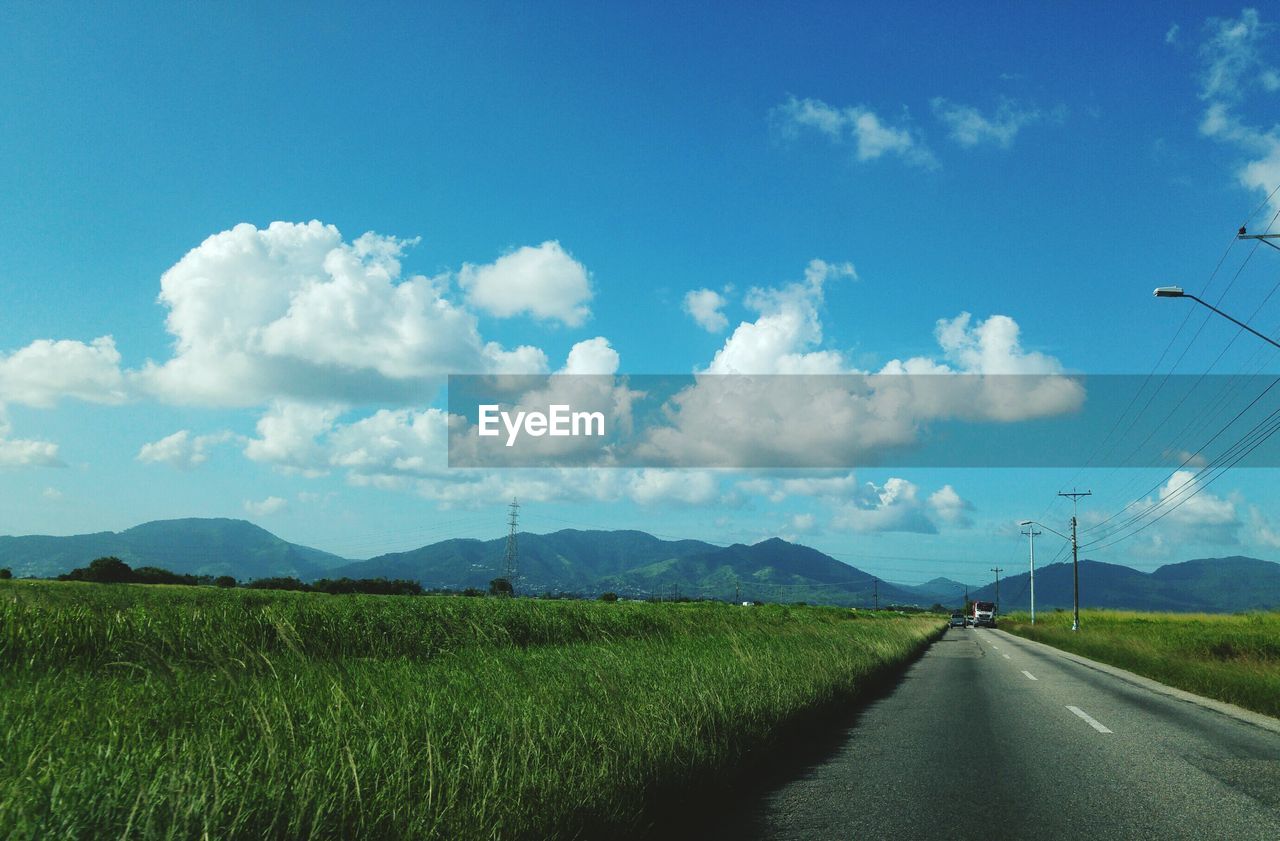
(244, 246)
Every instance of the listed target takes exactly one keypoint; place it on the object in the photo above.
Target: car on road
(958, 620)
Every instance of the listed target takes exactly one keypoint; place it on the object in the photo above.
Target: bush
(224, 581)
(5, 574)
(608, 597)
(501, 587)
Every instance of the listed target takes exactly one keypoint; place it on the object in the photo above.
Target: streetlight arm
(1235, 321)
(1046, 528)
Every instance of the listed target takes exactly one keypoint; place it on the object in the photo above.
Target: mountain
(195, 546)
(564, 561)
(942, 591)
(772, 569)
(1207, 584)
(635, 563)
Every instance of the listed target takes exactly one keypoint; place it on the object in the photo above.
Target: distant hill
(942, 591)
(1208, 584)
(635, 563)
(195, 546)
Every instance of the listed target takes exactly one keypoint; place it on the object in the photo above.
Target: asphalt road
(993, 737)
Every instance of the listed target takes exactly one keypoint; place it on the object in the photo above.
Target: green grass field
(183, 712)
(1233, 658)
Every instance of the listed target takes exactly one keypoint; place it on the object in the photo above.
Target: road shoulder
(1265, 722)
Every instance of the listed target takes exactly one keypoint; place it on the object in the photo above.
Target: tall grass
(1233, 658)
(191, 712)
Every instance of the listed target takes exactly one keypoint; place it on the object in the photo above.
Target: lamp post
(1075, 563)
(1031, 532)
(1177, 292)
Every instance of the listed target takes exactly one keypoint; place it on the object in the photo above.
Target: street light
(1032, 533)
(1176, 292)
(1075, 563)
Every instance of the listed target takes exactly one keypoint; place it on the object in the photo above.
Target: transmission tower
(511, 558)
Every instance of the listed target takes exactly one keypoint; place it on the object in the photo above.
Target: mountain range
(637, 564)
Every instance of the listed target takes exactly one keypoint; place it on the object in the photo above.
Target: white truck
(983, 615)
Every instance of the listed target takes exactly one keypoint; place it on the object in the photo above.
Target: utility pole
(1075, 553)
(737, 591)
(876, 583)
(997, 571)
(1031, 532)
(511, 558)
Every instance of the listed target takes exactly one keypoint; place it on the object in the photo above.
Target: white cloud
(52, 494)
(894, 506)
(704, 306)
(969, 127)
(1231, 57)
(267, 507)
(288, 435)
(1202, 509)
(690, 487)
(292, 312)
(592, 356)
(783, 338)
(19, 452)
(872, 137)
(1232, 67)
(181, 449)
(819, 421)
(1260, 529)
(949, 507)
(45, 370)
(544, 282)
(1171, 35)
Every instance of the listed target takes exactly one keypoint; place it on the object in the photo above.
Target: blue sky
(558, 174)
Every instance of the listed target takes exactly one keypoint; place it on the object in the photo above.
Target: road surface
(991, 736)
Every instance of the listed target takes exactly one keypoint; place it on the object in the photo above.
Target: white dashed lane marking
(1093, 722)
(1029, 675)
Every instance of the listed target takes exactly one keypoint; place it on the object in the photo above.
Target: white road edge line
(1093, 722)
(1006, 656)
(1029, 675)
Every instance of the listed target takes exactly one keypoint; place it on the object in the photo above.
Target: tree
(108, 570)
(501, 587)
(5, 574)
(608, 597)
(224, 581)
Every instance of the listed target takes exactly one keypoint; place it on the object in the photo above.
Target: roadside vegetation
(1233, 658)
(181, 712)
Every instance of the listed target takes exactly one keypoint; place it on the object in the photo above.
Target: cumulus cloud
(871, 136)
(45, 370)
(592, 357)
(782, 339)
(704, 306)
(181, 449)
(267, 507)
(293, 312)
(826, 421)
(288, 437)
(970, 127)
(949, 507)
(894, 506)
(21, 452)
(543, 281)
